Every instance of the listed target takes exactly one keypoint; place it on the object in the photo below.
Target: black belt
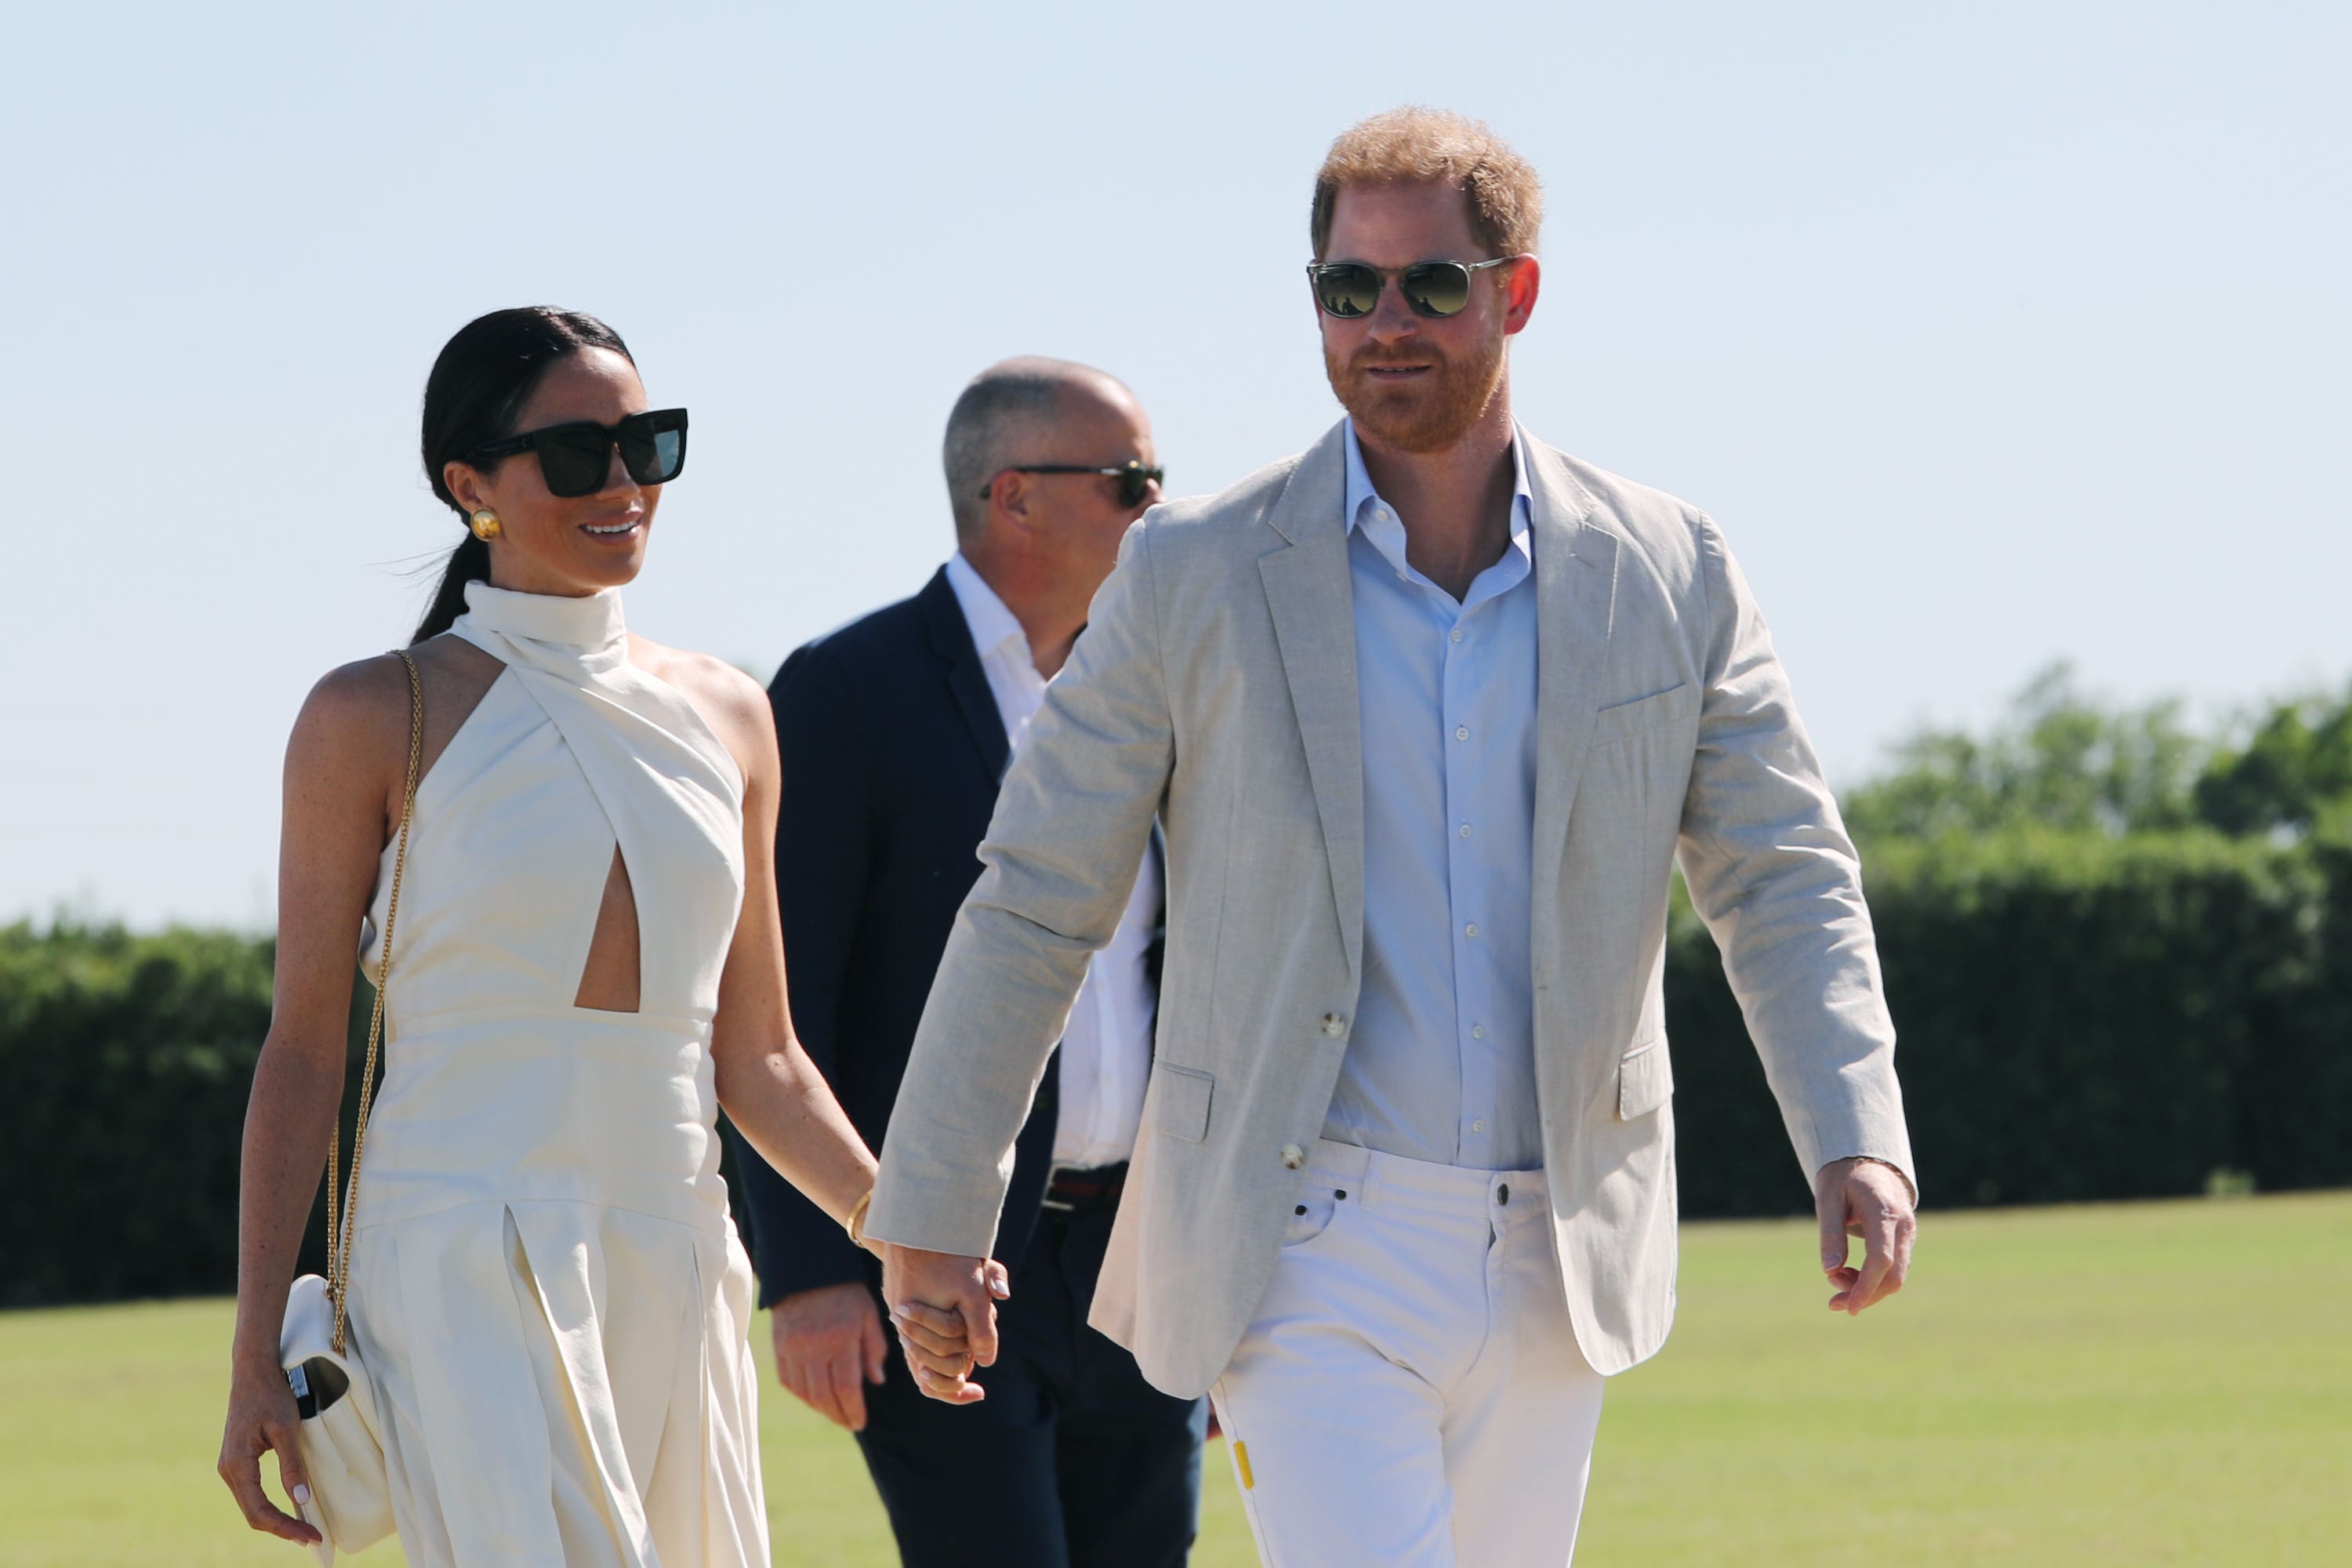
(1093, 1191)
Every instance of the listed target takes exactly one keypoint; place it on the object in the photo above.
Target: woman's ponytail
(470, 562)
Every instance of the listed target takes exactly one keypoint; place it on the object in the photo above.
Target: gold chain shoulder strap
(341, 1220)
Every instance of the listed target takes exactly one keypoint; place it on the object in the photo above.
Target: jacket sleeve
(822, 832)
(1072, 823)
(1773, 874)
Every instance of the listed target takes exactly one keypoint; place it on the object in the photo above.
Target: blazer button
(1335, 1026)
(1293, 1157)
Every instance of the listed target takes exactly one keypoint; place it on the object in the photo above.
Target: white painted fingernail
(302, 1494)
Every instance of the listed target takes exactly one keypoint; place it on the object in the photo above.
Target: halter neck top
(495, 1085)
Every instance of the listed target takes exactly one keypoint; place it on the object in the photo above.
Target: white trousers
(1411, 1395)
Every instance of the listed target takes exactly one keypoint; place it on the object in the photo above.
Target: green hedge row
(124, 1064)
(2080, 1018)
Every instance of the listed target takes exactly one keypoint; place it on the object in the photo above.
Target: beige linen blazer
(1215, 690)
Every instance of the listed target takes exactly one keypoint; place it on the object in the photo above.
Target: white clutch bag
(343, 1445)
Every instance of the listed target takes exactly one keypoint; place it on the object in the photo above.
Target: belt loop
(1373, 1160)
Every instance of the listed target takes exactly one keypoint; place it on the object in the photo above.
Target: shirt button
(1477, 1032)
(1470, 930)
(1293, 1156)
(1479, 1126)
(1457, 636)
(1461, 732)
(1334, 1026)
(1465, 830)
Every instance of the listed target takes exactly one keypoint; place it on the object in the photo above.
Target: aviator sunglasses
(575, 458)
(1135, 480)
(1437, 289)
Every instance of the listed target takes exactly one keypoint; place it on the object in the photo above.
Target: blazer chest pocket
(1178, 1101)
(1622, 721)
(1645, 1079)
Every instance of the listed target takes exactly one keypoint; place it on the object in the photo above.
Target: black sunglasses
(1351, 288)
(1135, 480)
(575, 458)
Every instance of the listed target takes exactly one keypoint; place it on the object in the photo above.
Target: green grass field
(2133, 1384)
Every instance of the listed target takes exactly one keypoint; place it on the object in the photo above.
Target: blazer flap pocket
(1179, 1101)
(1645, 1079)
(1621, 719)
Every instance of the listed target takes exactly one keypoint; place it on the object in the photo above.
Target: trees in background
(2066, 762)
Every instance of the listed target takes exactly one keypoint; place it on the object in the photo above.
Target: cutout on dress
(612, 982)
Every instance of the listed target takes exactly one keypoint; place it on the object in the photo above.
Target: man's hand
(944, 1307)
(1871, 1199)
(829, 1346)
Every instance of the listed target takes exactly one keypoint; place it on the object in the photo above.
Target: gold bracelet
(857, 1218)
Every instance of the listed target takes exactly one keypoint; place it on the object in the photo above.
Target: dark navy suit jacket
(892, 754)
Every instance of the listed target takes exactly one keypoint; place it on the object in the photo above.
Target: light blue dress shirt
(1440, 1065)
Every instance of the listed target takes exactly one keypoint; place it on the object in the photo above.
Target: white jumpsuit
(547, 1288)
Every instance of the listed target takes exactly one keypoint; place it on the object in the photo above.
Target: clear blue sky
(1990, 334)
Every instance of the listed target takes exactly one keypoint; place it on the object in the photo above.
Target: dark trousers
(1072, 1461)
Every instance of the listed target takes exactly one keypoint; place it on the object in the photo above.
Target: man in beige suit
(1428, 714)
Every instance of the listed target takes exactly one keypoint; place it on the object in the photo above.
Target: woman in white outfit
(547, 1292)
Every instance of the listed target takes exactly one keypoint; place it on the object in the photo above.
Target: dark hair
(477, 389)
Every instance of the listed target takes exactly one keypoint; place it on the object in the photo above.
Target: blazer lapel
(1312, 600)
(967, 681)
(1576, 594)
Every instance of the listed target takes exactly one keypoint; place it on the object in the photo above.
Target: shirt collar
(993, 626)
(1386, 533)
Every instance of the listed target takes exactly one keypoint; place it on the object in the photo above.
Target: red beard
(1427, 414)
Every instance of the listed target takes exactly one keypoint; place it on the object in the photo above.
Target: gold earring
(485, 524)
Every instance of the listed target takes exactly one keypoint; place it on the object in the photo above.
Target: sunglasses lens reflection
(1348, 288)
(669, 455)
(1437, 288)
(652, 456)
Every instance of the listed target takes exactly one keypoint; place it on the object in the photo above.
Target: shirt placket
(1458, 688)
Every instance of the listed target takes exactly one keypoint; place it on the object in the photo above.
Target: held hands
(829, 1346)
(944, 1307)
(262, 1417)
(1870, 1199)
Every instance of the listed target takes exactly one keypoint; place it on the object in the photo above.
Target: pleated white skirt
(563, 1385)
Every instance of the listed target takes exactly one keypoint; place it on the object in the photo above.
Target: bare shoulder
(354, 702)
(349, 735)
(355, 725)
(729, 700)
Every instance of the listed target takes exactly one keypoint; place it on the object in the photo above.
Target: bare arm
(770, 1088)
(345, 766)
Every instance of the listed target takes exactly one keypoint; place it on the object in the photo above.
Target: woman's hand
(944, 1307)
(262, 1417)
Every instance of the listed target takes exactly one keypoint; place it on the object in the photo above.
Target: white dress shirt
(1441, 1063)
(1107, 1043)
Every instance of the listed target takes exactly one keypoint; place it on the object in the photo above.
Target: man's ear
(1520, 289)
(1009, 497)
